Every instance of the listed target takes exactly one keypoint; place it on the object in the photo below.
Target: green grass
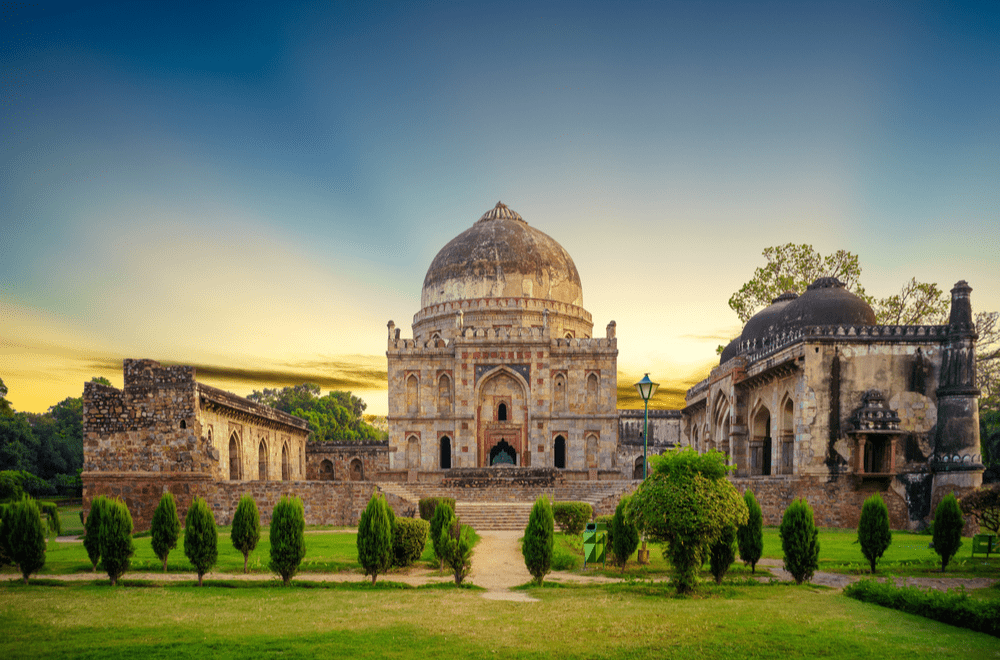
(640, 620)
(69, 518)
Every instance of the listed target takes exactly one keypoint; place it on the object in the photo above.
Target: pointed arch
(286, 468)
(787, 435)
(559, 394)
(444, 451)
(412, 395)
(326, 470)
(262, 462)
(444, 394)
(235, 462)
(413, 452)
(761, 442)
(593, 391)
(559, 452)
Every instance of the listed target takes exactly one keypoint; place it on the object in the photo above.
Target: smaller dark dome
(825, 302)
(731, 350)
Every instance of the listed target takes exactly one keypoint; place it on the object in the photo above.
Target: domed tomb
(501, 256)
(504, 273)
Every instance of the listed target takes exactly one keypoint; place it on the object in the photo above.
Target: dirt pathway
(498, 565)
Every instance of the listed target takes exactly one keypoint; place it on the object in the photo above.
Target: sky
(256, 189)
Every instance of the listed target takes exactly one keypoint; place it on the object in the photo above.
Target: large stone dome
(500, 256)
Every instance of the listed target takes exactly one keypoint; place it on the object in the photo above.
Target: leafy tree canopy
(336, 416)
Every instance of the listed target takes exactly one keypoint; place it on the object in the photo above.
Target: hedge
(955, 608)
(572, 517)
(409, 535)
(429, 504)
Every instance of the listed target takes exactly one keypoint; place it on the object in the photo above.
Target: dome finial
(501, 212)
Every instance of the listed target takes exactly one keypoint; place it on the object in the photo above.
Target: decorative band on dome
(501, 212)
(826, 283)
(787, 295)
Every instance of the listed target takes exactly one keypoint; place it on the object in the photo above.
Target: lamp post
(647, 389)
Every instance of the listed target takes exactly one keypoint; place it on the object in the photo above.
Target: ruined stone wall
(331, 461)
(150, 426)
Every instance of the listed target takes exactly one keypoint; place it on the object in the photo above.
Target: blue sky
(257, 189)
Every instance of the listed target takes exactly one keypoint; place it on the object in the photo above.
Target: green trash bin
(595, 543)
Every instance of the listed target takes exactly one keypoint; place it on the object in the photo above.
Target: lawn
(636, 620)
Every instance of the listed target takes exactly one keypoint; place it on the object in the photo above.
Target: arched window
(559, 452)
(234, 457)
(591, 451)
(559, 385)
(262, 461)
(326, 470)
(637, 469)
(502, 412)
(593, 385)
(183, 424)
(445, 452)
(412, 395)
(286, 469)
(302, 461)
(356, 470)
(413, 452)
(444, 394)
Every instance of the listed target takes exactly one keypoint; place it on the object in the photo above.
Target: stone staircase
(508, 507)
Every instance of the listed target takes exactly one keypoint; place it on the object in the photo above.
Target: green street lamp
(647, 389)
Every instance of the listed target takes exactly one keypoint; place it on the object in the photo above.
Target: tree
(165, 528)
(444, 515)
(983, 504)
(288, 537)
(24, 536)
(201, 538)
(117, 546)
(246, 527)
(799, 541)
(874, 534)
(624, 534)
(750, 537)
(375, 537)
(948, 525)
(793, 267)
(722, 553)
(687, 503)
(539, 538)
(92, 529)
(5, 408)
(456, 544)
(336, 416)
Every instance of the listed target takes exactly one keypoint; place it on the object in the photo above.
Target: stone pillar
(958, 402)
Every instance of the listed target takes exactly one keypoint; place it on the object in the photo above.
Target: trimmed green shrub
(799, 541)
(623, 536)
(722, 553)
(92, 530)
(539, 537)
(375, 537)
(428, 505)
(4, 549)
(572, 517)
(51, 512)
(409, 536)
(117, 546)
(456, 545)
(948, 525)
(686, 502)
(444, 515)
(953, 607)
(24, 536)
(165, 528)
(750, 537)
(201, 538)
(288, 537)
(246, 528)
(874, 534)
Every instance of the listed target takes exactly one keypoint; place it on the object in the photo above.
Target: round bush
(409, 536)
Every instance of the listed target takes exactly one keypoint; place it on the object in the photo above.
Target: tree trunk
(199, 578)
(245, 557)
(374, 575)
(165, 563)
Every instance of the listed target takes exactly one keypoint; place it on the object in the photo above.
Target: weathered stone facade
(503, 368)
(816, 400)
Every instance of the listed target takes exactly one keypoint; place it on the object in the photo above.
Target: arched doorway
(234, 457)
(502, 416)
(503, 454)
(637, 470)
(559, 452)
(445, 452)
(760, 444)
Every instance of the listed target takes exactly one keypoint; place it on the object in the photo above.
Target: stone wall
(331, 461)
(325, 502)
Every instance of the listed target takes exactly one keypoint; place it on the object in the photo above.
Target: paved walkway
(498, 566)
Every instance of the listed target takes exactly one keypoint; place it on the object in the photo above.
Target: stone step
(494, 516)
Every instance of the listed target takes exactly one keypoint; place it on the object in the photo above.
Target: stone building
(816, 400)
(503, 368)
(164, 431)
